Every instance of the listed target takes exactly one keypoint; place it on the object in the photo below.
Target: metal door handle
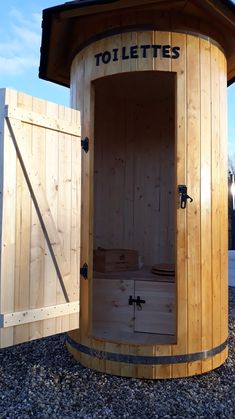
(136, 301)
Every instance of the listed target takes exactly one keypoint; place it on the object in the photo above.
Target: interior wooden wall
(134, 171)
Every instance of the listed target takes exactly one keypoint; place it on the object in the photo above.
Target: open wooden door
(40, 174)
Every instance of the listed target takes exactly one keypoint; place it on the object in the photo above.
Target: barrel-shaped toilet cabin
(149, 79)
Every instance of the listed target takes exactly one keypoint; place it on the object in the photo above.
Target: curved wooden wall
(201, 242)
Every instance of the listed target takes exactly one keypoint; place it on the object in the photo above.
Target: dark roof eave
(229, 4)
(47, 24)
(47, 15)
(231, 81)
(76, 4)
(86, 3)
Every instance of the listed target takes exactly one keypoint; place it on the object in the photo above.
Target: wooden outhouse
(127, 188)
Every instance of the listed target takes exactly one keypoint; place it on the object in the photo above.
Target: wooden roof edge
(229, 4)
(231, 81)
(224, 6)
(70, 5)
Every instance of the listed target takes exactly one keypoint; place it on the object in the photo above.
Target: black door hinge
(85, 144)
(84, 271)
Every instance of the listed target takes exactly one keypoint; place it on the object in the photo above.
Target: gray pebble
(41, 380)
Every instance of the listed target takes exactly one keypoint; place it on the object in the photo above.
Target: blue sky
(20, 38)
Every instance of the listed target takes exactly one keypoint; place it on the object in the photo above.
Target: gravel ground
(41, 380)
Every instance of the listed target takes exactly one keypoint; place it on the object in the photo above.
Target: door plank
(42, 120)
(158, 312)
(37, 314)
(31, 164)
(32, 177)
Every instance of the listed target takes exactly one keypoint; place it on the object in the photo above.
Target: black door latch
(85, 144)
(136, 301)
(84, 271)
(184, 196)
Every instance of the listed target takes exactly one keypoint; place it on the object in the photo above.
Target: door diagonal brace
(55, 253)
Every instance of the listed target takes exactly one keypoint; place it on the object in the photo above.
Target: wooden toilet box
(148, 174)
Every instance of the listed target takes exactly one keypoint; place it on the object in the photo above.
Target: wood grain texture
(31, 280)
(193, 212)
(8, 209)
(180, 67)
(38, 314)
(216, 207)
(143, 145)
(157, 314)
(138, 160)
(223, 197)
(206, 232)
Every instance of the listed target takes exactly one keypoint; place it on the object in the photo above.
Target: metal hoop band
(146, 360)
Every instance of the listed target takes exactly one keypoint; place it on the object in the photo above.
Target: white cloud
(14, 66)
(19, 50)
(27, 37)
(20, 18)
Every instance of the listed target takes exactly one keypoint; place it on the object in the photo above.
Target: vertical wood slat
(216, 209)
(64, 179)
(162, 64)
(37, 248)
(76, 199)
(193, 211)
(8, 207)
(197, 287)
(223, 197)
(87, 202)
(179, 66)
(129, 174)
(51, 286)
(37, 194)
(31, 271)
(77, 102)
(206, 147)
(21, 333)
